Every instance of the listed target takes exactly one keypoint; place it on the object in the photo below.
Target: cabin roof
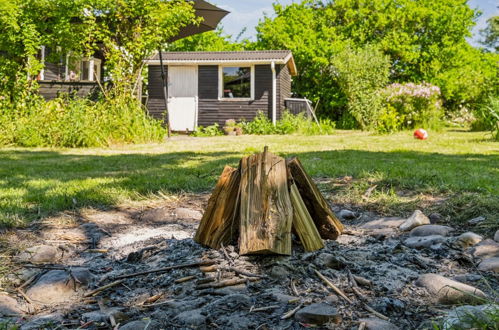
(234, 57)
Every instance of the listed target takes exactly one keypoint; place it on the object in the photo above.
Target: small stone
(318, 314)
(383, 223)
(373, 323)
(157, 215)
(467, 239)
(140, 325)
(57, 286)
(193, 318)
(476, 220)
(40, 254)
(465, 317)
(489, 265)
(281, 297)
(435, 217)
(424, 242)
(188, 214)
(485, 249)
(330, 261)
(43, 322)
(416, 219)
(9, 306)
(428, 230)
(449, 292)
(466, 278)
(496, 236)
(347, 215)
(279, 272)
(99, 316)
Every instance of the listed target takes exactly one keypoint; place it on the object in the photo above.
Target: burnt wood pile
(260, 204)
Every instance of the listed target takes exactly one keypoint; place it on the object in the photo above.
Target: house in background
(68, 74)
(205, 88)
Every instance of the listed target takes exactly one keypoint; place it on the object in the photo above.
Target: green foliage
(488, 116)
(425, 40)
(78, 123)
(360, 75)
(289, 124)
(491, 34)
(213, 130)
(211, 41)
(410, 106)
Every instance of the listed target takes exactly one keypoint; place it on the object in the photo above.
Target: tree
(491, 34)
(212, 41)
(422, 39)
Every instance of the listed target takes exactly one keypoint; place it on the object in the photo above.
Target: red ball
(421, 134)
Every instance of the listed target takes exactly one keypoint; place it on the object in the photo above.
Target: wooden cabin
(204, 88)
(70, 75)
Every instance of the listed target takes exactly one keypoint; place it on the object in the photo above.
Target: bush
(78, 123)
(213, 130)
(289, 124)
(488, 117)
(361, 74)
(409, 106)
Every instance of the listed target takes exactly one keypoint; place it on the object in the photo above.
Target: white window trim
(221, 83)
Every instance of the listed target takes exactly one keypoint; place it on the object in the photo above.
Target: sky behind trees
(247, 13)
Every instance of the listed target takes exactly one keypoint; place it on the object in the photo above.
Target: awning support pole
(165, 91)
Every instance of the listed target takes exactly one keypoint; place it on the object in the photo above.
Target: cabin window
(68, 67)
(236, 82)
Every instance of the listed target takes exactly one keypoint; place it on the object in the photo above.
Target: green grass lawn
(454, 172)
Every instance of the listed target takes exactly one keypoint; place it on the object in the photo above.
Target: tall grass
(78, 123)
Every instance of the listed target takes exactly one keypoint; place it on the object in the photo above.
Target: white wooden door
(183, 97)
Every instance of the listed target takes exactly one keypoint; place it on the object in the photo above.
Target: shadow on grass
(35, 184)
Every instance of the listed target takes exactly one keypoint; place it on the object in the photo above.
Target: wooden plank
(326, 222)
(220, 221)
(266, 212)
(303, 224)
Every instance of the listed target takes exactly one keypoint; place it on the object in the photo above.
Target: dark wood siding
(284, 81)
(156, 102)
(52, 89)
(212, 110)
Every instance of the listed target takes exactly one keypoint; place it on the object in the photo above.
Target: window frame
(221, 82)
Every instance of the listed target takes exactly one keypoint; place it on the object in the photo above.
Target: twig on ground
(291, 312)
(185, 279)
(102, 288)
(294, 289)
(263, 309)
(166, 269)
(370, 310)
(334, 287)
(362, 325)
(226, 283)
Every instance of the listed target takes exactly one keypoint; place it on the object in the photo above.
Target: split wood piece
(265, 207)
(291, 312)
(334, 287)
(215, 268)
(224, 284)
(166, 269)
(220, 221)
(327, 223)
(303, 224)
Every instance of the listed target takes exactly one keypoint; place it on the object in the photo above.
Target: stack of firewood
(261, 203)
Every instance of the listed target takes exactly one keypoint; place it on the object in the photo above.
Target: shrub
(361, 74)
(213, 130)
(488, 117)
(289, 124)
(78, 123)
(410, 105)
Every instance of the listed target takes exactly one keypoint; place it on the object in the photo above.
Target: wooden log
(220, 221)
(327, 223)
(303, 224)
(265, 207)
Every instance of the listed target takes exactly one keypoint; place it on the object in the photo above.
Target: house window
(236, 82)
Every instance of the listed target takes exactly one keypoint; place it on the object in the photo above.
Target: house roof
(235, 57)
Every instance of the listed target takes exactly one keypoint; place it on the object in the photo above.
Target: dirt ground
(55, 264)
